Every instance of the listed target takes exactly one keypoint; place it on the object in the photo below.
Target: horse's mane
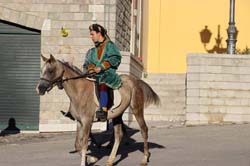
(72, 67)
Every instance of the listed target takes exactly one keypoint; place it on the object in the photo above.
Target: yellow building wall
(174, 27)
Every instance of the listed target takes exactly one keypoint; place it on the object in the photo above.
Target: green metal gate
(19, 73)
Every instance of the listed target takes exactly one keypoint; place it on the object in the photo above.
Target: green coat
(108, 74)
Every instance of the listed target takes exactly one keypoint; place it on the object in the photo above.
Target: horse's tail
(150, 97)
(126, 93)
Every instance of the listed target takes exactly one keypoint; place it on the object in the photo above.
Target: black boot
(68, 115)
(101, 115)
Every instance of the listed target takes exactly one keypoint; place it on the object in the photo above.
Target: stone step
(169, 93)
(171, 88)
(159, 88)
(164, 76)
(165, 81)
(165, 104)
(159, 112)
(171, 118)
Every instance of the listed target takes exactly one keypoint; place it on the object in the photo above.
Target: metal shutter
(19, 73)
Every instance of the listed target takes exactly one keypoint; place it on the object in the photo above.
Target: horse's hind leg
(144, 131)
(117, 123)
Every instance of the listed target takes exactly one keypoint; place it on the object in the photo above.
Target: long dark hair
(99, 28)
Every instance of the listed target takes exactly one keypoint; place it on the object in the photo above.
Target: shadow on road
(128, 145)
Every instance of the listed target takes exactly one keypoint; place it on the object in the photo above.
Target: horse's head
(51, 75)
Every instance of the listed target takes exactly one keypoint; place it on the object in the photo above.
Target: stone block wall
(130, 65)
(123, 24)
(171, 89)
(218, 89)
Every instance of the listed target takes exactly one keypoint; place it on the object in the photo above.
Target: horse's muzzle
(41, 88)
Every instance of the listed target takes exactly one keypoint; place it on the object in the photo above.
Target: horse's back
(126, 77)
(139, 86)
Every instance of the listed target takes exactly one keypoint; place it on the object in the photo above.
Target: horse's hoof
(109, 164)
(145, 160)
(91, 159)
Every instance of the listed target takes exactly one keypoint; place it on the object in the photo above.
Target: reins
(80, 76)
(59, 80)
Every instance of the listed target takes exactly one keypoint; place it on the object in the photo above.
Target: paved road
(227, 145)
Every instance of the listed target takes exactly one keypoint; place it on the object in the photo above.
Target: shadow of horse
(128, 145)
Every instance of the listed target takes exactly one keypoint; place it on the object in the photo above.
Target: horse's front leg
(86, 127)
(79, 135)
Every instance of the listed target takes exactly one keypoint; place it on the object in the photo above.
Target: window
(135, 46)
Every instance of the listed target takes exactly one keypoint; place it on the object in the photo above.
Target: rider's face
(95, 36)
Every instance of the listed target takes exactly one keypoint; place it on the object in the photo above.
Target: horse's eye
(50, 71)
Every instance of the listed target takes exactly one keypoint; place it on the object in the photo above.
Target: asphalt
(170, 145)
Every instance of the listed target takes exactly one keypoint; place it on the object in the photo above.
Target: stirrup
(68, 115)
(101, 115)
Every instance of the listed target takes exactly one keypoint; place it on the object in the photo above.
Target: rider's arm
(113, 58)
(88, 66)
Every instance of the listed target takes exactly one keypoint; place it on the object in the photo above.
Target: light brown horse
(135, 94)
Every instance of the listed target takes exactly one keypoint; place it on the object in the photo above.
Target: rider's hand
(98, 69)
(91, 71)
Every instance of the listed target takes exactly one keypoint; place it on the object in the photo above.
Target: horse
(135, 93)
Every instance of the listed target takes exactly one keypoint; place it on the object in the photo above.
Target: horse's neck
(75, 88)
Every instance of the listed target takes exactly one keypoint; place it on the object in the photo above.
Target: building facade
(43, 21)
(172, 29)
(154, 37)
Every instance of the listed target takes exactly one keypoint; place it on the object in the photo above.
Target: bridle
(59, 80)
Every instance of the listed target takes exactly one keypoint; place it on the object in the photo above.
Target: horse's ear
(52, 59)
(44, 58)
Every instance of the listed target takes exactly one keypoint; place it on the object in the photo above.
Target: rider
(103, 60)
